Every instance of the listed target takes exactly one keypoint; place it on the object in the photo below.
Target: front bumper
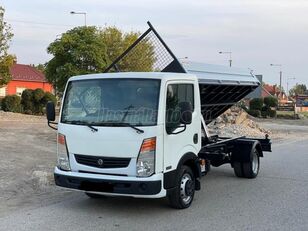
(114, 185)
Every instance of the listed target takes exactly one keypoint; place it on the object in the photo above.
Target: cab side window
(177, 93)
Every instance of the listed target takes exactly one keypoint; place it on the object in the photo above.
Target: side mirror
(50, 111)
(186, 112)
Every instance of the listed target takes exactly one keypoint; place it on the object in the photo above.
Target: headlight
(146, 158)
(63, 160)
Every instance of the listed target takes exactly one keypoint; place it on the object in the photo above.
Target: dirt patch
(28, 157)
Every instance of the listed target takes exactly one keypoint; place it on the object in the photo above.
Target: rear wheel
(248, 169)
(182, 195)
(237, 167)
(251, 169)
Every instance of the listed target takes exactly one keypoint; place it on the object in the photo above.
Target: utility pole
(280, 76)
(82, 13)
(280, 80)
(288, 85)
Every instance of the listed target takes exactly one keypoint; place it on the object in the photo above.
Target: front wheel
(182, 195)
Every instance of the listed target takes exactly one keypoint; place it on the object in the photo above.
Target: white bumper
(139, 187)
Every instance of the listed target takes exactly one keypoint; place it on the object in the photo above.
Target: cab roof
(137, 75)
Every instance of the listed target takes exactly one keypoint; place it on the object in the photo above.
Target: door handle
(195, 138)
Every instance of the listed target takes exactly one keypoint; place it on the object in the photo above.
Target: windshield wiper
(90, 125)
(79, 122)
(134, 127)
(127, 110)
(121, 124)
(93, 129)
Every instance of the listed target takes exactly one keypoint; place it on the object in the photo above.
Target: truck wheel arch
(259, 149)
(244, 147)
(189, 159)
(244, 160)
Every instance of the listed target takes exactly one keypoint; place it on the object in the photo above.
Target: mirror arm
(49, 122)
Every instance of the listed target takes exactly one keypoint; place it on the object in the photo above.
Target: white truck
(144, 134)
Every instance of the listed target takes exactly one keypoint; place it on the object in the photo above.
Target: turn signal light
(61, 139)
(63, 156)
(148, 145)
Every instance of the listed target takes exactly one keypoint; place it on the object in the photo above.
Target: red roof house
(273, 90)
(268, 90)
(25, 77)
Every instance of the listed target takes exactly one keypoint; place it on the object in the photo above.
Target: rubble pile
(236, 122)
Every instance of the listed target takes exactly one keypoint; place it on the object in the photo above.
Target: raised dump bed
(220, 86)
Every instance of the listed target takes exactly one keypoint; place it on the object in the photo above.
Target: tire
(182, 195)
(248, 169)
(251, 169)
(237, 167)
(95, 196)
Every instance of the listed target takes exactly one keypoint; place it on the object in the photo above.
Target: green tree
(11, 103)
(6, 60)
(113, 40)
(27, 101)
(40, 67)
(79, 51)
(298, 89)
(85, 50)
(34, 101)
(256, 104)
(270, 101)
(48, 97)
(141, 58)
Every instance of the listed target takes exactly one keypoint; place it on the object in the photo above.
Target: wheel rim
(187, 188)
(255, 163)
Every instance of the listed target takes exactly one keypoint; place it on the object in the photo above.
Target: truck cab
(126, 133)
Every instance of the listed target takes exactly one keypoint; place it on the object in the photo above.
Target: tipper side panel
(220, 87)
(216, 99)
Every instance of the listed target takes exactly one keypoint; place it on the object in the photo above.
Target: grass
(285, 114)
(290, 114)
(304, 113)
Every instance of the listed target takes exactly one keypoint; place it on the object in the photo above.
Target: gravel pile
(236, 122)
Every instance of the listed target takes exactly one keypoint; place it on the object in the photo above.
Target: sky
(257, 32)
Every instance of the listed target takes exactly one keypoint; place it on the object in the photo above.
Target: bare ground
(27, 154)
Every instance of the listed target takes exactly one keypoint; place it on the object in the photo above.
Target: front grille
(102, 162)
(111, 174)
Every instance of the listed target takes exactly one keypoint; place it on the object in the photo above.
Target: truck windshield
(111, 102)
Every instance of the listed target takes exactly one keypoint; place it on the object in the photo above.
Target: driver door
(179, 140)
